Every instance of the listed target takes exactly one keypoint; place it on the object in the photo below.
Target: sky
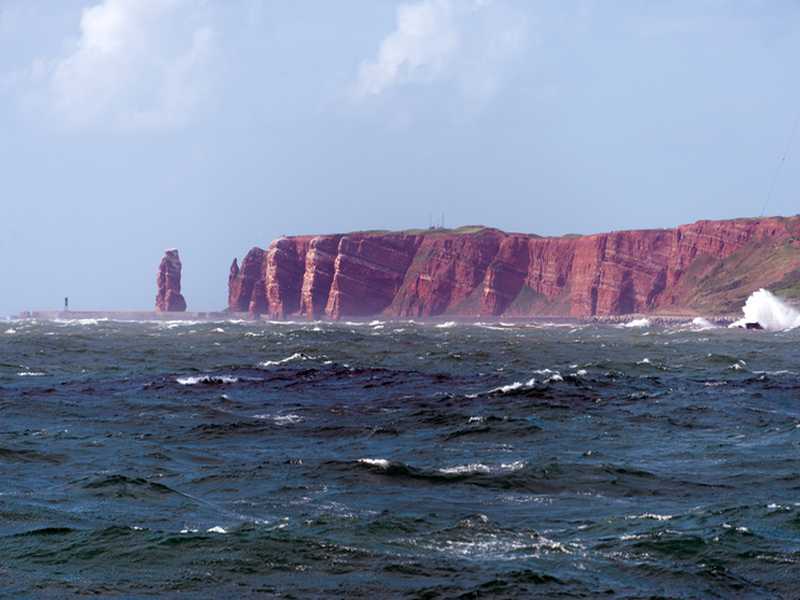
(131, 126)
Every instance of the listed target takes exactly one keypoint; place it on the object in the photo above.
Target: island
(704, 268)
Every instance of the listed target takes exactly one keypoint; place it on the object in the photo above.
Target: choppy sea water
(391, 459)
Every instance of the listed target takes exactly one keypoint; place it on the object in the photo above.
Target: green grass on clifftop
(466, 229)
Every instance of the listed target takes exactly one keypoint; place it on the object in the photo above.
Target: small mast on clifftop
(169, 298)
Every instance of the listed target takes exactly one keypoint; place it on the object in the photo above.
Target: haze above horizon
(131, 126)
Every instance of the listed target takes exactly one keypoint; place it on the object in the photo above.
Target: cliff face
(708, 267)
(169, 298)
(246, 284)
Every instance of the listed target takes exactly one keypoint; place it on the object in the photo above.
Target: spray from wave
(769, 311)
(701, 324)
(637, 323)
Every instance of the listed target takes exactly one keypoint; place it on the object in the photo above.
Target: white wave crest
(701, 324)
(517, 385)
(207, 380)
(514, 466)
(637, 323)
(466, 469)
(651, 517)
(288, 359)
(381, 463)
(516, 546)
(30, 374)
(290, 419)
(447, 325)
(552, 325)
(769, 311)
(172, 324)
(287, 419)
(80, 321)
(551, 376)
(482, 468)
(216, 529)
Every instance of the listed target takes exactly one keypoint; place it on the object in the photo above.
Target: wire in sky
(779, 166)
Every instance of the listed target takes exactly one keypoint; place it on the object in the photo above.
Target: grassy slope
(712, 286)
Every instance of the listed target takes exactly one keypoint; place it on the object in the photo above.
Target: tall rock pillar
(169, 298)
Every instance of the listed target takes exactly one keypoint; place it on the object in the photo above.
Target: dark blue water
(398, 459)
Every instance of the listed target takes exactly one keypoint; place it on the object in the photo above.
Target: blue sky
(130, 126)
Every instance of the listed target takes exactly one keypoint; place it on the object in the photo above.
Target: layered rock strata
(705, 267)
(169, 297)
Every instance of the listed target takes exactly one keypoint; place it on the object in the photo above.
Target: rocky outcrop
(169, 297)
(704, 267)
(246, 283)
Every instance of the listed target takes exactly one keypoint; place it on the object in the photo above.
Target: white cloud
(138, 64)
(423, 44)
(466, 41)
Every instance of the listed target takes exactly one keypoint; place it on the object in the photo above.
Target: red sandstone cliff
(169, 298)
(706, 267)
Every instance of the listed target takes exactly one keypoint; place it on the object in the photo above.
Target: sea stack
(169, 298)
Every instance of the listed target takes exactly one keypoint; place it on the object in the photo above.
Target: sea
(383, 459)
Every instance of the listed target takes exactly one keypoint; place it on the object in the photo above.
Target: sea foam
(381, 463)
(281, 419)
(481, 468)
(769, 311)
(701, 324)
(637, 323)
(207, 380)
(288, 359)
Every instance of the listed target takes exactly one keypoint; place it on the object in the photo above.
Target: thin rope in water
(779, 166)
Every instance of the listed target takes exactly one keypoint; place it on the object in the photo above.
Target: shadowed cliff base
(707, 267)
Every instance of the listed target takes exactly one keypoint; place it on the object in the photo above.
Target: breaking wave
(207, 380)
(637, 323)
(80, 321)
(288, 359)
(290, 419)
(769, 311)
(701, 324)
(482, 468)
